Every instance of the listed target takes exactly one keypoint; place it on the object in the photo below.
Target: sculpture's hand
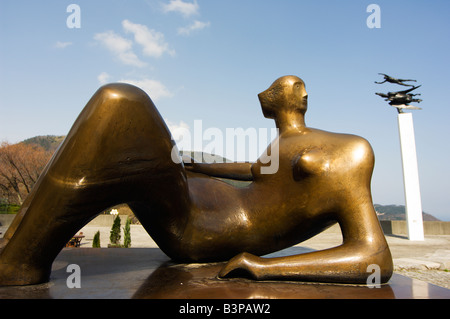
(243, 264)
(187, 160)
(189, 163)
(237, 171)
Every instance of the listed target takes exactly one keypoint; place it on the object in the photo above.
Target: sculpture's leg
(364, 245)
(118, 151)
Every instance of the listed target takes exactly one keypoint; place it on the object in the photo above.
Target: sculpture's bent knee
(118, 133)
(123, 90)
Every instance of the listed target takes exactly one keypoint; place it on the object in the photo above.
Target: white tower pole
(410, 177)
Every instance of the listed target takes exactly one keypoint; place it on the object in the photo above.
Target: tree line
(20, 167)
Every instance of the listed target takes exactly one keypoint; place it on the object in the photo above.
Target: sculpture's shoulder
(325, 151)
(332, 141)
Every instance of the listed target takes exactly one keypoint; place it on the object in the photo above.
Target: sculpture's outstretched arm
(386, 77)
(237, 171)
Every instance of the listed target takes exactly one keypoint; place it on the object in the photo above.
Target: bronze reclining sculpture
(119, 151)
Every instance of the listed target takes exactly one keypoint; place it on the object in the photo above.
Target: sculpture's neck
(290, 121)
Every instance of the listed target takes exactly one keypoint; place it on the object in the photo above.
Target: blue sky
(208, 60)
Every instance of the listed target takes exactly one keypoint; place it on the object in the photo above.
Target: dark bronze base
(146, 273)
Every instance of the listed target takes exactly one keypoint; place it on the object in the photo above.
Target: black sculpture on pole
(400, 99)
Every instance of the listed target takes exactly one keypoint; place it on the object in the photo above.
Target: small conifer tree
(127, 234)
(114, 236)
(96, 240)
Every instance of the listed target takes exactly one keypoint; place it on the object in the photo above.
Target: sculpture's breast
(312, 162)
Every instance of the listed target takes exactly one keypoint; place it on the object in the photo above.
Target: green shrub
(96, 240)
(114, 236)
(9, 208)
(127, 234)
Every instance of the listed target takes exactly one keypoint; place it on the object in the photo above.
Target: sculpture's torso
(276, 210)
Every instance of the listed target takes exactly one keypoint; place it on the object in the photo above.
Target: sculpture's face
(287, 93)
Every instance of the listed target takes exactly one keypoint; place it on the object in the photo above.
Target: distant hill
(48, 142)
(397, 212)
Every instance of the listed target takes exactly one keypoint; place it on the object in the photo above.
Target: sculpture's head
(286, 93)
